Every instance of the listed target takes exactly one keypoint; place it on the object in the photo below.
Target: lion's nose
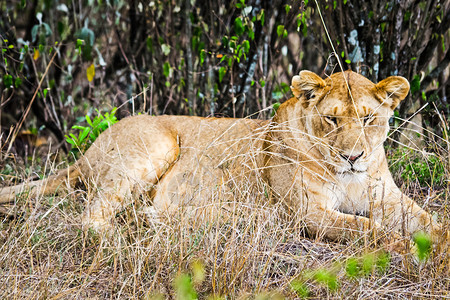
(352, 158)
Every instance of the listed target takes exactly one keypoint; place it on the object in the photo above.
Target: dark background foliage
(205, 58)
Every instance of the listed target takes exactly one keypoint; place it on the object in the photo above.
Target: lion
(321, 155)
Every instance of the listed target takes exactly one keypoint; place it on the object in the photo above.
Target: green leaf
(7, 80)
(84, 134)
(222, 72)
(34, 31)
(88, 119)
(251, 34)
(230, 61)
(280, 30)
(275, 107)
(285, 88)
(246, 46)
(113, 112)
(232, 45)
(166, 69)
(17, 82)
(87, 35)
(73, 137)
(238, 26)
(225, 41)
(287, 8)
(415, 84)
(89, 133)
(48, 31)
(223, 58)
(305, 30)
(202, 57)
(70, 141)
(423, 243)
(240, 4)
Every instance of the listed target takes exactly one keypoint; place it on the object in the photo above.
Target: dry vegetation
(254, 251)
(258, 251)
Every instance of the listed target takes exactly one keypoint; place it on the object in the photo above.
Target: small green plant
(423, 245)
(185, 283)
(184, 288)
(414, 167)
(275, 107)
(367, 264)
(327, 278)
(88, 134)
(300, 288)
(354, 267)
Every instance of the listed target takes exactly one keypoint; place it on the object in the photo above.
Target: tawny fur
(322, 155)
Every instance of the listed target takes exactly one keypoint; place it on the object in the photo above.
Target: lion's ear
(393, 90)
(306, 83)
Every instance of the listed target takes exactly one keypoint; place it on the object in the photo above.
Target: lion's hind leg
(126, 175)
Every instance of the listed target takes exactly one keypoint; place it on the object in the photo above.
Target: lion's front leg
(398, 212)
(402, 214)
(336, 225)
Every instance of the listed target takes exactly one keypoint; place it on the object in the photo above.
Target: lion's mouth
(352, 175)
(351, 171)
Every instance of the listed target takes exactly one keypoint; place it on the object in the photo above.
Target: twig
(24, 116)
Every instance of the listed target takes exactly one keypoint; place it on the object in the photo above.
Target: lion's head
(346, 116)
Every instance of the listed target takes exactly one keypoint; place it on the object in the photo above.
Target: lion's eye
(367, 119)
(331, 119)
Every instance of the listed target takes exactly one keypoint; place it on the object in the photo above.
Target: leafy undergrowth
(254, 252)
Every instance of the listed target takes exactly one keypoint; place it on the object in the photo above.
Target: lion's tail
(47, 186)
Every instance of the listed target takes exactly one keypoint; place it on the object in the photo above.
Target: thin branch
(189, 65)
(24, 116)
(436, 71)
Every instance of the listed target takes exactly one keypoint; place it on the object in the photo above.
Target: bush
(88, 134)
(414, 166)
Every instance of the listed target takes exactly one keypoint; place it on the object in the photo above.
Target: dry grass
(255, 251)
